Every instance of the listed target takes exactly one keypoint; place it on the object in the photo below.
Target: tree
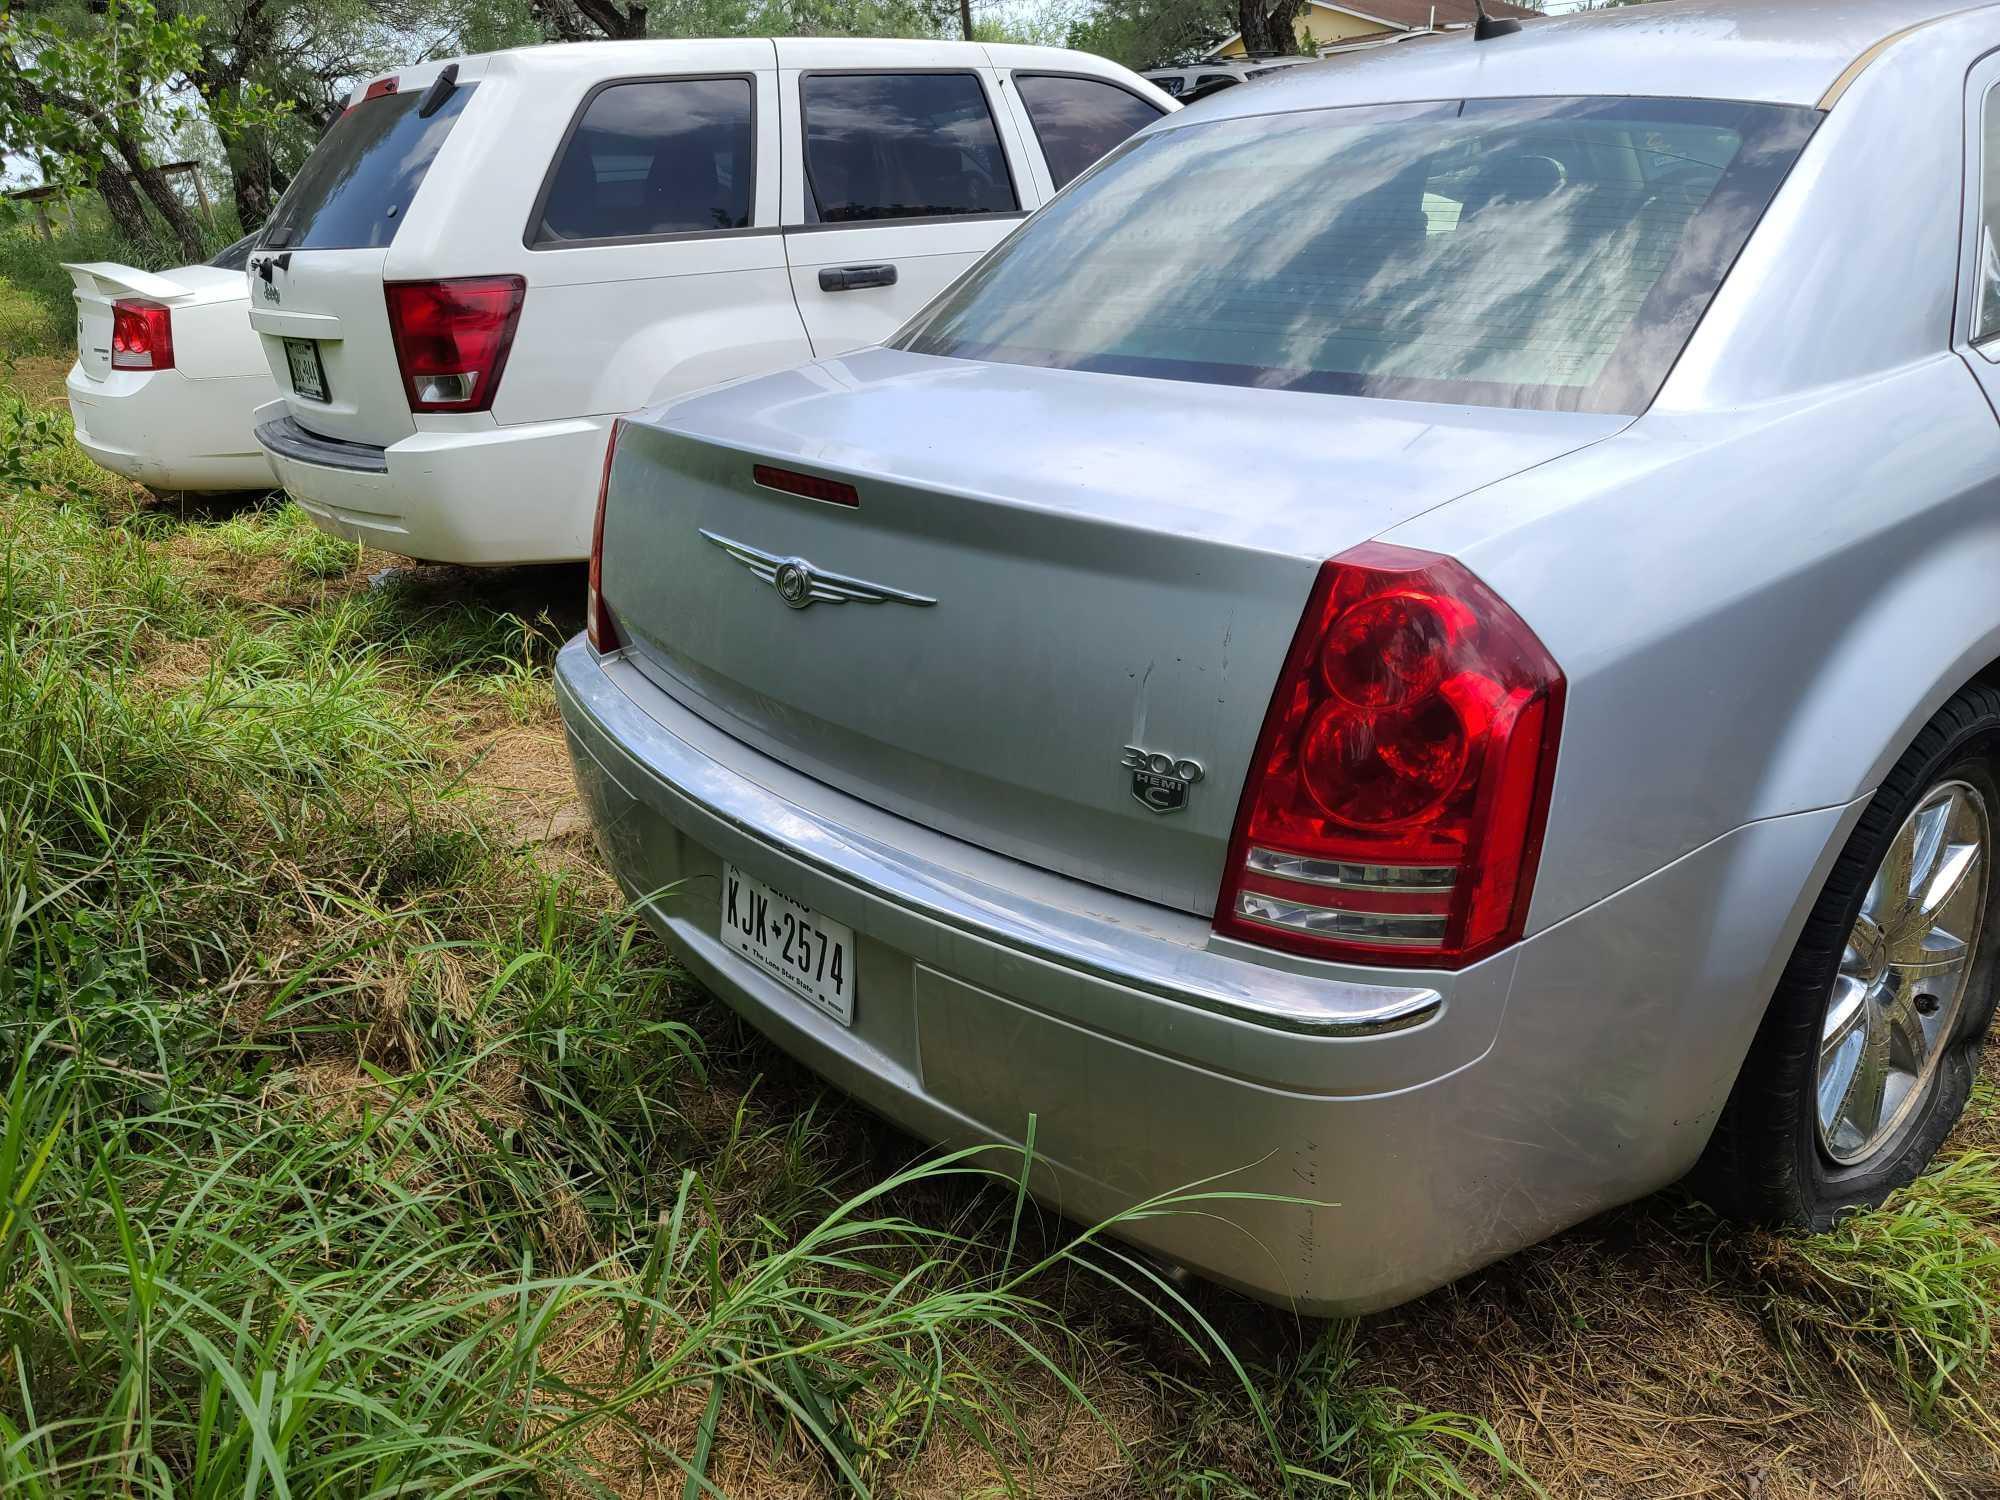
(582, 20)
(86, 106)
(1155, 33)
(230, 49)
(1268, 26)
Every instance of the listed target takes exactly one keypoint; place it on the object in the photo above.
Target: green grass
(1916, 1283)
(347, 1150)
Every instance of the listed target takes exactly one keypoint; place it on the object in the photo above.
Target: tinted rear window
(235, 256)
(355, 189)
(1077, 120)
(901, 146)
(1547, 253)
(659, 157)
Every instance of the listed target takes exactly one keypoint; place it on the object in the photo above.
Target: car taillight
(142, 335)
(452, 338)
(596, 618)
(1394, 811)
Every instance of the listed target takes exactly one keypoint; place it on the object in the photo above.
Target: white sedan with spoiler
(167, 373)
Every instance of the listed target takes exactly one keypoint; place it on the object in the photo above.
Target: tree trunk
(965, 17)
(128, 214)
(253, 177)
(628, 24)
(1267, 26)
(188, 238)
(253, 182)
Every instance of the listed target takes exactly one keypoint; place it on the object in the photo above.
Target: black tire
(1765, 1163)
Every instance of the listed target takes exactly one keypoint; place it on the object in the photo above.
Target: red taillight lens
(596, 618)
(452, 338)
(142, 335)
(1395, 808)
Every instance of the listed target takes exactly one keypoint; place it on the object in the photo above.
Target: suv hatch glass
(356, 187)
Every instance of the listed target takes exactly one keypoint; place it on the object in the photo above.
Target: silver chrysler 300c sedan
(1425, 637)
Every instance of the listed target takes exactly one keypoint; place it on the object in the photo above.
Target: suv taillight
(1394, 811)
(142, 335)
(452, 338)
(596, 618)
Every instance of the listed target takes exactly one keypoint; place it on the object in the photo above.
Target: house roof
(1409, 15)
(1416, 14)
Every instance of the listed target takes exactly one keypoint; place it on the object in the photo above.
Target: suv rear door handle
(848, 278)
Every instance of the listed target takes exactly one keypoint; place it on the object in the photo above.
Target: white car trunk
(99, 284)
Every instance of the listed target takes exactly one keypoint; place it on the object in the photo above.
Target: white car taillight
(142, 335)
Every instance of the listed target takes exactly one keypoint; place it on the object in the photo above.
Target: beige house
(1325, 28)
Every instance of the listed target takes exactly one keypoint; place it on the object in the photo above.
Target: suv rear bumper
(1413, 1134)
(490, 496)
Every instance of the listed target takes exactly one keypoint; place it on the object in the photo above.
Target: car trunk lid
(1118, 566)
(99, 284)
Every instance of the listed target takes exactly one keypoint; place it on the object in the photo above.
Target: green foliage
(691, 18)
(74, 93)
(1155, 33)
(26, 325)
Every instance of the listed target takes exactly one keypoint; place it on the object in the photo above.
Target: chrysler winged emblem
(799, 583)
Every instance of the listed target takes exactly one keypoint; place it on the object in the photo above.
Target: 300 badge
(1160, 782)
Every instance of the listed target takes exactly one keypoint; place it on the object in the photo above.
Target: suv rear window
(901, 146)
(1551, 253)
(355, 189)
(653, 158)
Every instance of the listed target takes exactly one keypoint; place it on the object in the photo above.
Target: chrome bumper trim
(700, 790)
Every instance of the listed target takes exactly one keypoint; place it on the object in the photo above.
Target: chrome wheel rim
(1903, 973)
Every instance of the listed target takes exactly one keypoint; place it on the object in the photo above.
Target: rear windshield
(1551, 253)
(355, 189)
(235, 256)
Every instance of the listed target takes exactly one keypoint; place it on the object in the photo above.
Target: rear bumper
(165, 430)
(490, 496)
(1429, 1122)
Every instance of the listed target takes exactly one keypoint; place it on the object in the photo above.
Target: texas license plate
(811, 956)
(308, 374)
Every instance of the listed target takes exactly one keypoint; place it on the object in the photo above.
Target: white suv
(486, 260)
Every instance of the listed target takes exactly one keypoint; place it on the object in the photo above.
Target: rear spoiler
(104, 278)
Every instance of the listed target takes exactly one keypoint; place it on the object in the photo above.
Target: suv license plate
(308, 374)
(811, 956)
